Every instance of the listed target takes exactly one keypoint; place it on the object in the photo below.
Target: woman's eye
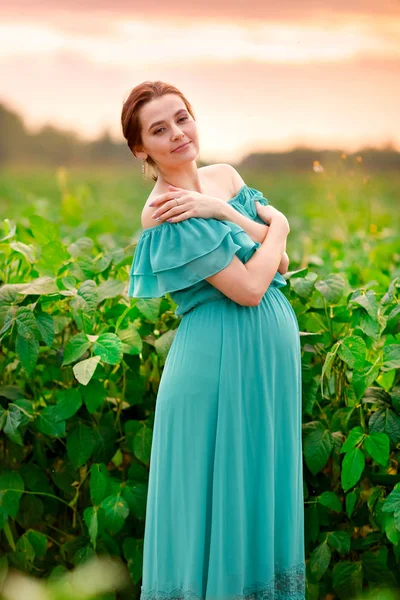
(158, 130)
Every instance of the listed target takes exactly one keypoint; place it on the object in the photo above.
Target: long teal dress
(225, 514)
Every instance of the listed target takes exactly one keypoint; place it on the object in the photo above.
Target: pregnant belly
(221, 327)
(225, 352)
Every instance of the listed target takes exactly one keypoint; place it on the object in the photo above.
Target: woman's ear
(140, 155)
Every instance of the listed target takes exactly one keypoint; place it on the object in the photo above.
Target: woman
(225, 515)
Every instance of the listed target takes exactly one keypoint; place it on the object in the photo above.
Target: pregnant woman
(224, 518)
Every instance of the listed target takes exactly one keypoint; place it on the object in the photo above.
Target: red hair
(138, 97)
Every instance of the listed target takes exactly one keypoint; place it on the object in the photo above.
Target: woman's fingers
(160, 198)
(169, 209)
(265, 212)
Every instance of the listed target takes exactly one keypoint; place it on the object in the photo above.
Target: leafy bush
(80, 367)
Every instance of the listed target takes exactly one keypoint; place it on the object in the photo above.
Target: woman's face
(160, 140)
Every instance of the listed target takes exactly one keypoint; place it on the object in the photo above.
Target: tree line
(52, 146)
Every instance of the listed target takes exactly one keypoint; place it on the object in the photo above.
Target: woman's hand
(270, 215)
(283, 265)
(190, 204)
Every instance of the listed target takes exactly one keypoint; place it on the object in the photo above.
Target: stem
(39, 494)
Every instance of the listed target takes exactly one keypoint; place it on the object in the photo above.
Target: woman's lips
(181, 148)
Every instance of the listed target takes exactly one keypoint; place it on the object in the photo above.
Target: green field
(343, 219)
(81, 363)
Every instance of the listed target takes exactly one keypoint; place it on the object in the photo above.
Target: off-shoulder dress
(225, 504)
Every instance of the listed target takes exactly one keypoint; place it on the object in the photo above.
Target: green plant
(80, 366)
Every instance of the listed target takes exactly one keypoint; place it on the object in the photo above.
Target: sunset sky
(259, 75)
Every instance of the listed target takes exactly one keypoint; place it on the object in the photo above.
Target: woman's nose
(177, 132)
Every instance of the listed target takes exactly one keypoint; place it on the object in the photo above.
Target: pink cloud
(230, 10)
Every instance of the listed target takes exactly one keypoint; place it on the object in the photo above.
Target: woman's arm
(257, 231)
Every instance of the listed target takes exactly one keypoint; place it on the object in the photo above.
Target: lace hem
(286, 585)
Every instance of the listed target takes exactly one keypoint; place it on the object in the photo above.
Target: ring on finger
(177, 203)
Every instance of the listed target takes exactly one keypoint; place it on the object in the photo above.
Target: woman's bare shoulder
(219, 179)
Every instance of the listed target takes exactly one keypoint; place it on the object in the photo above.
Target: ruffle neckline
(172, 257)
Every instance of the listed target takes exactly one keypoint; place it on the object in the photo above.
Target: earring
(143, 167)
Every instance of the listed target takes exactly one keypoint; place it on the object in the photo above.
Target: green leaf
(317, 446)
(52, 258)
(75, 348)
(378, 446)
(90, 518)
(80, 444)
(10, 230)
(376, 571)
(12, 392)
(27, 351)
(304, 286)
(38, 541)
(83, 555)
(363, 377)
(81, 246)
(25, 409)
(26, 323)
(41, 286)
(12, 422)
(367, 324)
(340, 541)
(133, 553)
(330, 500)
(142, 444)
(390, 295)
(111, 288)
(69, 402)
(386, 379)
(332, 287)
(391, 357)
(9, 500)
(374, 495)
(319, 560)
(386, 421)
(44, 230)
(99, 483)
(135, 495)
(94, 394)
(131, 340)
(24, 552)
(35, 478)
(347, 579)
(31, 511)
(328, 363)
(27, 251)
(45, 326)
(150, 308)
(88, 292)
(351, 500)
(50, 423)
(164, 342)
(392, 502)
(116, 511)
(368, 301)
(354, 438)
(108, 346)
(353, 351)
(393, 534)
(352, 467)
(85, 369)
